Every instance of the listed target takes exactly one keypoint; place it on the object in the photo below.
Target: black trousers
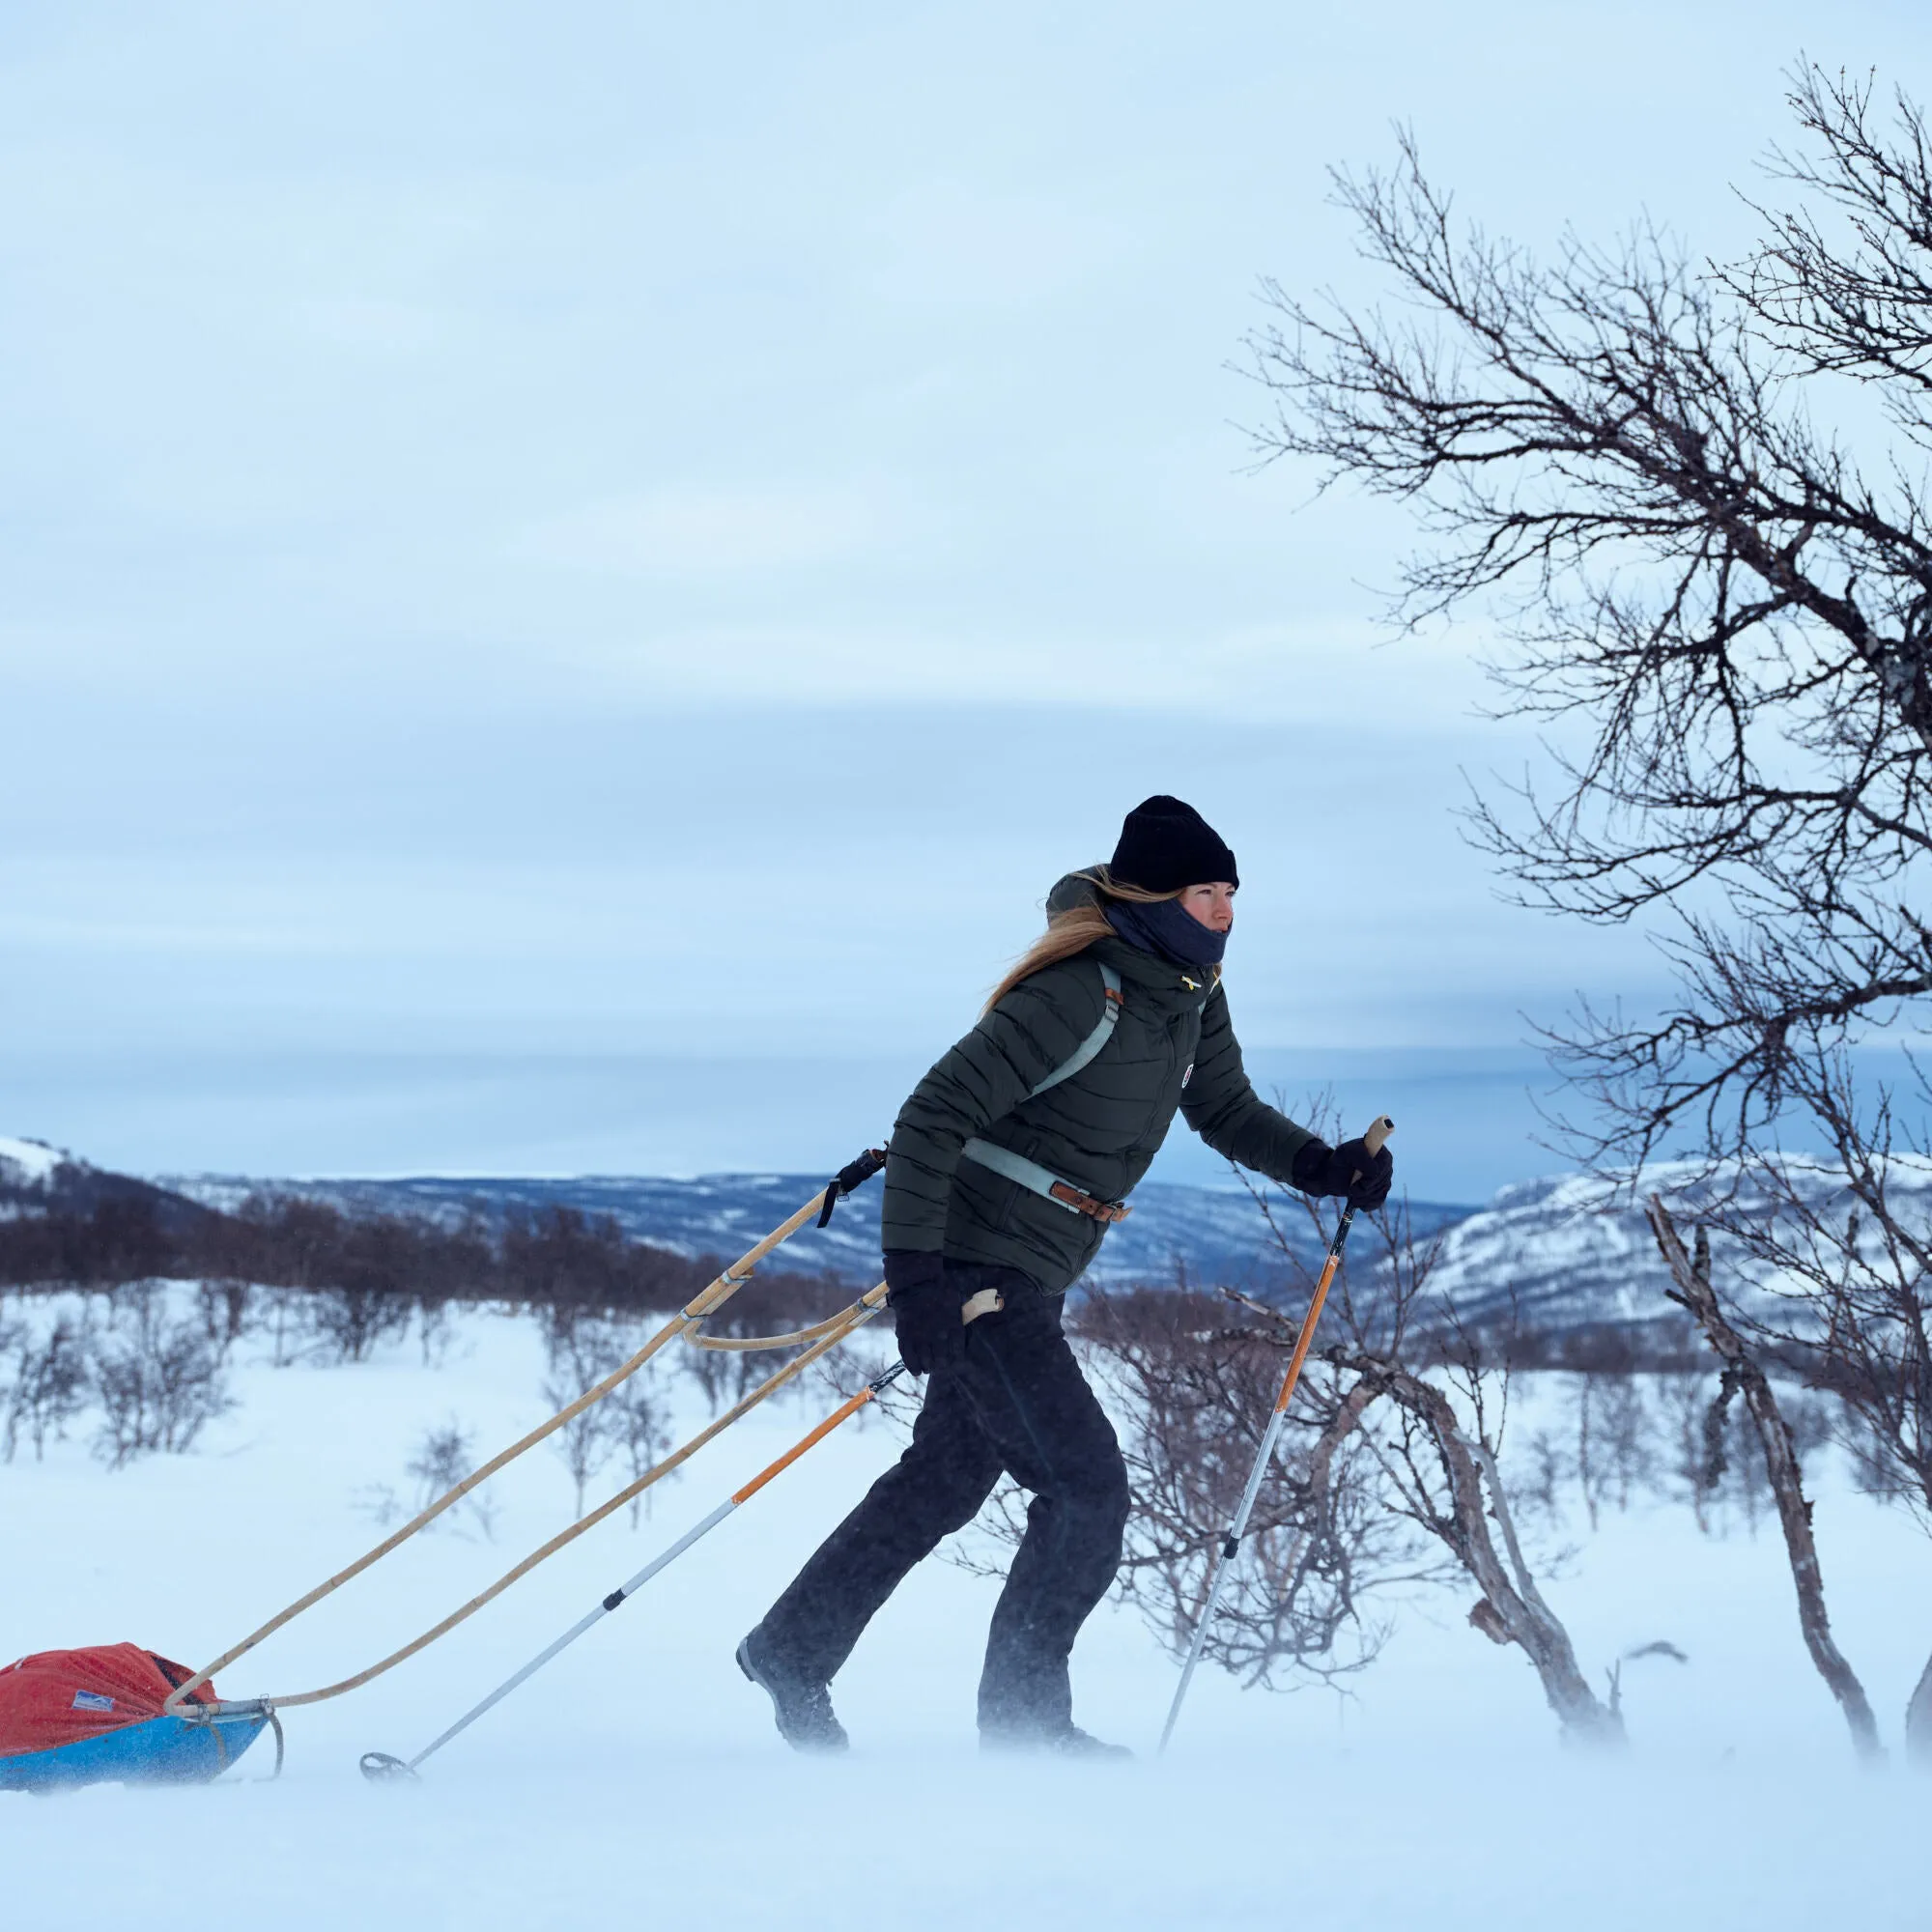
(1018, 1403)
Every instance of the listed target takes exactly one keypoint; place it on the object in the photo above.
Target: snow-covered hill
(1574, 1249)
(37, 1179)
(27, 1165)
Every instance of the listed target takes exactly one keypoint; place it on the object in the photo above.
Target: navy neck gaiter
(1165, 928)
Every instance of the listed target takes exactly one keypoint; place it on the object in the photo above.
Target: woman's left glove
(925, 1312)
(1350, 1168)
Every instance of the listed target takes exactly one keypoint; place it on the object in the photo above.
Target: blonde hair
(1076, 928)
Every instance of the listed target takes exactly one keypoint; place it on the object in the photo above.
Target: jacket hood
(1074, 889)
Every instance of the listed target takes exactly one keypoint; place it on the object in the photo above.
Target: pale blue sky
(539, 535)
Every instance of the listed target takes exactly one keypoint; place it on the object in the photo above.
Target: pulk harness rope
(685, 1326)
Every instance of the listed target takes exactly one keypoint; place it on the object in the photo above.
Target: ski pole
(1373, 1140)
(378, 1765)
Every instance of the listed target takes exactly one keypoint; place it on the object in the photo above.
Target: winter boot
(1074, 1742)
(1066, 1740)
(803, 1710)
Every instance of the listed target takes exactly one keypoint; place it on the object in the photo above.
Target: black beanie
(1166, 845)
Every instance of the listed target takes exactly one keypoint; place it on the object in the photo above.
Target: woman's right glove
(1350, 1168)
(925, 1312)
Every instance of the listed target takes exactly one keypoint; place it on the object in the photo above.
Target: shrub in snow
(158, 1379)
(49, 1381)
(582, 1351)
(442, 1458)
(348, 1323)
(640, 1430)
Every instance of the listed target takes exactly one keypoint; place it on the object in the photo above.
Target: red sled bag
(70, 1717)
(62, 1696)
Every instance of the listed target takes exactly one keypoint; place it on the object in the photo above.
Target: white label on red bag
(91, 1700)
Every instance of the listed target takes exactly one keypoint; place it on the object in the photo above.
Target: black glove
(1350, 1168)
(925, 1312)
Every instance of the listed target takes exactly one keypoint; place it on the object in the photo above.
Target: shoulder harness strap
(1085, 1054)
(1029, 1174)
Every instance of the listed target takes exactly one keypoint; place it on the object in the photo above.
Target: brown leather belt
(1069, 1196)
(1044, 1182)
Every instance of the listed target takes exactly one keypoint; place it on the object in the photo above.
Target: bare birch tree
(1725, 605)
(1691, 1272)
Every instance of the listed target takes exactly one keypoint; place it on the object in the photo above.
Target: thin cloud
(679, 532)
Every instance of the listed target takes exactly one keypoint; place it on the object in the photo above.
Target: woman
(1007, 1166)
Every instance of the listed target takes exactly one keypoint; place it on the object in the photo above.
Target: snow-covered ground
(638, 1779)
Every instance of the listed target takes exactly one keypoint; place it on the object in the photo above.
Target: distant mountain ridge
(1174, 1232)
(1561, 1253)
(1565, 1252)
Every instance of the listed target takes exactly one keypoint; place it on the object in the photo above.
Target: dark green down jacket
(1172, 1046)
